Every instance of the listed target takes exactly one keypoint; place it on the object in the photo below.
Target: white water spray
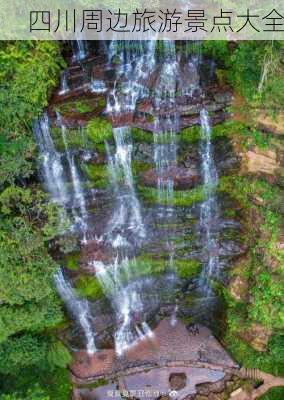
(79, 308)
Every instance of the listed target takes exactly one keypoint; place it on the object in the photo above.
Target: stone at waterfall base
(172, 360)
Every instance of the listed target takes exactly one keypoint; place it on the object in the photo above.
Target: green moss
(82, 106)
(181, 198)
(138, 167)
(187, 269)
(75, 139)
(141, 136)
(87, 286)
(98, 174)
(99, 130)
(72, 261)
(189, 135)
(147, 265)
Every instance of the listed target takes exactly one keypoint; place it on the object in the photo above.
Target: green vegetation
(273, 394)
(187, 269)
(99, 130)
(226, 129)
(29, 307)
(141, 136)
(33, 362)
(144, 265)
(89, 286)
(82, 106)
(264, 272)
(72, 261)
(181, 198)
(98, 174)
(76, 139)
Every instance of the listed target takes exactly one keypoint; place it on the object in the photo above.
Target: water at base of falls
(79, 308)
(209, 212)
(127, 295)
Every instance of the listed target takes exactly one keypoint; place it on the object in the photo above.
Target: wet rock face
(183, 178)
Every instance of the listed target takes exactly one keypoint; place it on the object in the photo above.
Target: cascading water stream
(166, 124)
(209, 212)
(125, 232)
(165, 145)
(136, 63)
(80, 50)
(79, 308)
(51, 162)
(79, 209)
(55, 180)
(64, 83)
(127, 297)
(127, 219)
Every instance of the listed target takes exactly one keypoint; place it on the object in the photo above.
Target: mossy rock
(181, 198)
(226, 129)
(72, 261)
(82, 106)
(76, 139)
(141, 136)
(146, 265)
(189, 135)
(98, 174)
(138, 167)
(87, 286)
(99, 130)
(187, 269)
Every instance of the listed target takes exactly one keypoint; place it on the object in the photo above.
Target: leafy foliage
(99, 130)
(29, 306)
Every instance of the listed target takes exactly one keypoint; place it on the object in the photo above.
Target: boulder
(238, 288)
(257, 336)
(262, 161)
(271, 125)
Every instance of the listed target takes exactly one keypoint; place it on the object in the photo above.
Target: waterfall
(127, 297)
(165, 156)
(209, 211)
(80, 50)
(166, 124)
(125, 230)
(78, 308)
(79, 210)
(137, 61)
(51, 162)
(126, 225)
(64, 88)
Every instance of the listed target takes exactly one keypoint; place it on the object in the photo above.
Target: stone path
(149, 368)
